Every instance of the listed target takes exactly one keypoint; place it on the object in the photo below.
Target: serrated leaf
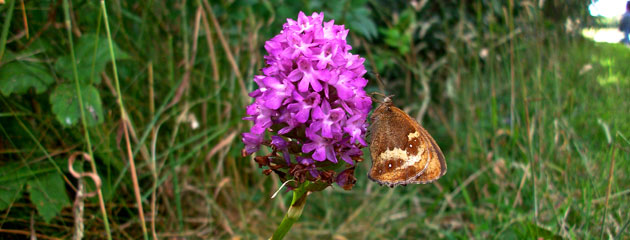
(48, 194)
(65, 105)
(11, 189)
(17, 77)
(92, 55)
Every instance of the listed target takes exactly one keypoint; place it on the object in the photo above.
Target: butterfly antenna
(389, 98)
(376, 99)
(380, 82)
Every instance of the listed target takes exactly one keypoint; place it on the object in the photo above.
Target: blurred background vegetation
(532, 117)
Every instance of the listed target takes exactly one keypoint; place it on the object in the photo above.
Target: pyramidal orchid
(310, 108)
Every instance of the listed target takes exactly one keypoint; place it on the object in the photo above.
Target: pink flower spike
(310, 94)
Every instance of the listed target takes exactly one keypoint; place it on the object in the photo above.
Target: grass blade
(132, 165)
(67, 22)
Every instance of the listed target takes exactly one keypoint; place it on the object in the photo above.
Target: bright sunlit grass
(608, 35)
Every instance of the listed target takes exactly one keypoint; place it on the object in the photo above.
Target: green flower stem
(294, 213)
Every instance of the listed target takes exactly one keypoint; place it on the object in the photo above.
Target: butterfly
(402, 151)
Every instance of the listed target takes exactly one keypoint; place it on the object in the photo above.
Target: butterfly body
(402, 151)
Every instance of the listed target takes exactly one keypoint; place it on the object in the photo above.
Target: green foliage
(92, 55)
(45, 187)
(527, 229)
(397, 39)
(19, 76)
(539, 173)
(399, 36)
(65, 104)
(356, 15)
(359, 20)
(48, 194)
(11, 184)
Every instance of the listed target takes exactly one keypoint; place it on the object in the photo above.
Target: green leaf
(10, 192)
(18, 77)
(65, 105)
(396, 39)
(11, 189)
(48, 194)
(92, 54)
(359, 20)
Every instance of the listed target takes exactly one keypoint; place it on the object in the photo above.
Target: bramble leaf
(65, 105)
(18, 77)
(92, 54)
(48, 194)
(11, 184)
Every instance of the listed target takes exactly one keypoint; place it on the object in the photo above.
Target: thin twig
(132, 131)
(68, 25)
(520, 186)
(612, 196)
(24, 19)
(77, 212)
(228, 52)
(211, 53)
(132, 165)
(5, 28)
(26, 233)
(32, 226)
(213, 63)
(153, 164)
(611, 172)
(188, 62)
(222, 144)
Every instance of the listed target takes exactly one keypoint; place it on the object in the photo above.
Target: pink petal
(316, 85)
(320, 154)
(326, 107)
(295, 75)
(303, 85)
(314, 127)
(309, 147)
(344, 92)
(302, 19)
(274, 102)
(326, 130)
(330, 154)
(318, 113)
(273, 82)
(302, 115)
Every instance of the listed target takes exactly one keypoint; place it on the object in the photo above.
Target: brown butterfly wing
(437, 163)
(400, 151)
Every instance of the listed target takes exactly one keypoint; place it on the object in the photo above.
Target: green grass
(528, 131)
(547, 177)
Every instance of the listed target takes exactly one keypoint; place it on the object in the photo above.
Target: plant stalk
(66, 10)
(294, 212)
(5, 28)
(132, 165)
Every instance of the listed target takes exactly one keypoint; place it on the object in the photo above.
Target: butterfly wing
(400, 151)
(437, 164)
